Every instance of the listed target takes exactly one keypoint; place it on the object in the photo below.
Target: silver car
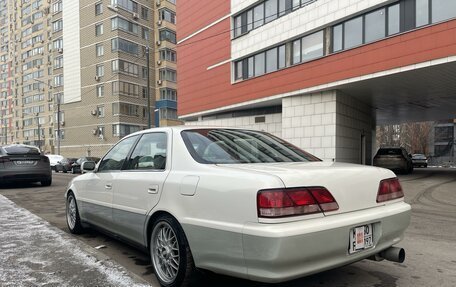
(23, 163)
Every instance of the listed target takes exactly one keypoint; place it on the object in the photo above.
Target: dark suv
(394, 158)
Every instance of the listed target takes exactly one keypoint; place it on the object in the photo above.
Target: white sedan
(238, 202)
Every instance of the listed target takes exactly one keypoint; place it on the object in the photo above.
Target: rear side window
(18, 149)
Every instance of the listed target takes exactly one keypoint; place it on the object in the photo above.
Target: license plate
(25, 162)
(361, 238)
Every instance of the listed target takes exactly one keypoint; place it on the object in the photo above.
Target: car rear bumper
(281, 252)
(25, 176)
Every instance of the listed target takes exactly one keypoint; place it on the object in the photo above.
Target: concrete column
(331, 125)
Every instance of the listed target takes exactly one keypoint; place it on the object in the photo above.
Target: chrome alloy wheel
(165, 252)
(71, 212)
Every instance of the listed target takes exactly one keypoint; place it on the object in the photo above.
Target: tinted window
(149, 153)
(389, 151)
(20, 149)
(219, 146)
(115, 158)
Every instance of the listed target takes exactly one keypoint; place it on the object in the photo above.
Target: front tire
(72, 215)
(170, 254)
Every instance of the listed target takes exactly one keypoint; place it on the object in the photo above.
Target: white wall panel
(71, 52)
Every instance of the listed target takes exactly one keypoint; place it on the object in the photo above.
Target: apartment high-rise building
(79, 69)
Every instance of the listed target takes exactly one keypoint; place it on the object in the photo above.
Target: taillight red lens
(389, 189)
(273, 203)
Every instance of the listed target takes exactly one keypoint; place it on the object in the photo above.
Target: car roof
(184, 128)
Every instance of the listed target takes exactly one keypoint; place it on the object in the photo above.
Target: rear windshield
(241, 146)
(419, 156)
(389, 151)
(18, 149)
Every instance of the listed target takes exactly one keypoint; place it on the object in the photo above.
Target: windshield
(21, 149)
(419, 156)
(241, 146)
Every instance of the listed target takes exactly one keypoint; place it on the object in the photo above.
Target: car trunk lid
(354, 187)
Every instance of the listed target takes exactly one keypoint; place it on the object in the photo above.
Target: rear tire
(72, 215)
(170, 253)
(46, 182)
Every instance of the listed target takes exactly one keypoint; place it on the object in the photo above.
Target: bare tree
(412, 136)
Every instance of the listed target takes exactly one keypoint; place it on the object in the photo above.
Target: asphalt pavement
(35, 253)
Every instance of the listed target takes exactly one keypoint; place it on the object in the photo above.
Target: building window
(366, 28)
(121, 130)
(57, 25)
(99, 29)
(263, 13)
(144, 13)
(442, 10)
(124, 25)
(119, 44)
(312, 46)
(57, 7)
(100, 90)
(166, 74)
(305, 49)
(145, 33)
(375, 25)
(259, 64)
(129, 5)
(58, 80)
(124, 88)
(100, 111)
(168, 94)
(167, 35)
(58, 43)
(167, 15)
(125, 109)
(125, 67)
(144, 72)
(271, 60)
(100, 70)
(99, 50)
(270, 10)
(98, 8)
(168, 55)
(167, 113)
(58, 62)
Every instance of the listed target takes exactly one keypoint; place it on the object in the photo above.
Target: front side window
(115, 158)
(219, 146)
(149, 153)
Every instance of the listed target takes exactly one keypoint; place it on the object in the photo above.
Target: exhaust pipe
(394, 254)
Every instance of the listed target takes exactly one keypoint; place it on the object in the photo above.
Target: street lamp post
(58, 114)
(149, 122)
(39, 130)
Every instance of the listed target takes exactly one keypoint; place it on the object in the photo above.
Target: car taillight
(273, 203)
(389, 189)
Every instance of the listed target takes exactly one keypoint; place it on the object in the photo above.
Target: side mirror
(88, 166)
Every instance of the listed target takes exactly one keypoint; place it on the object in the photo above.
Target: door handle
(108, 186)
(153, 189)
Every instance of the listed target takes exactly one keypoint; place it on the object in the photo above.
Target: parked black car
(394, 158)
(76, 167)
(23, 163)
(65, 165)
(419, 160)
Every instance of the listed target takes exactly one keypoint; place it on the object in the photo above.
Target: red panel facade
(201, 89)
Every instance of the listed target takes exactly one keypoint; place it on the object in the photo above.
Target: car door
(97, 194)
(139, 185)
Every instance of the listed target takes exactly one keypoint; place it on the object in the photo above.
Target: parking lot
(430, 240)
